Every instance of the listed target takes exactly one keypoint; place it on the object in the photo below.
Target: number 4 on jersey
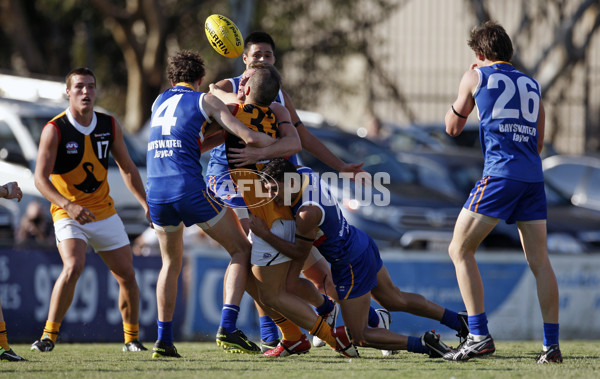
(165, 115)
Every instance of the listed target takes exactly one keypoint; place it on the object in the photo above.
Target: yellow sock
(131, 331)
(289, 330)
(322, 330)
(51, 330)
(3, 339)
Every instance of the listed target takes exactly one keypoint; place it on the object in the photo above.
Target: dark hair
(264, 83)
(277, 168)
(490, 40)
(258, 37)
(185, 66)
(79, 71)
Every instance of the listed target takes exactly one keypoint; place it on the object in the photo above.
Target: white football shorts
(264, 254)
(104, 235)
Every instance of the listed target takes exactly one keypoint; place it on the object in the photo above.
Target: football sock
(131, 331)
(478, 326)
(450, 319)
(326, 307)
(289, 330)
(322, 330)
(414, 345)
(229, 316)
(3, 338)
(165, 331)
(373, 318)
(550, 334)
(268, 329)
(51, 330)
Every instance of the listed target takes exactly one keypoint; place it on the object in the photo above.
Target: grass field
(511, 360)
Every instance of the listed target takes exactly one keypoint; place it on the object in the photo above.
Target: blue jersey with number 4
(176, 134)
(508, 102)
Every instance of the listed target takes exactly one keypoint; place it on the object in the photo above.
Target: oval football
(224, 36)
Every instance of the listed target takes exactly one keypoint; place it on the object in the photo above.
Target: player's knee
(72, 271)
(240, 254)
(457, 253)
(270, 299)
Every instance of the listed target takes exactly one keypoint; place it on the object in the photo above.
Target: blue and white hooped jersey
(174, 147)
(338, 241)
(217, 165)
(508, 103)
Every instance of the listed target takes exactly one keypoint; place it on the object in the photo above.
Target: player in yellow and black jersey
(71, 172)
(260, 114)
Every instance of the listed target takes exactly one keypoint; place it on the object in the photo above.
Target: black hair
(258, 37)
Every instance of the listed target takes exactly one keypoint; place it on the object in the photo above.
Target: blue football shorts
(193, 209)
(358, 277)
(507, 199)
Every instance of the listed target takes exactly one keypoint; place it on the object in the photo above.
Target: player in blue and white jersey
(177, 195)
(511, 129)
(357, 268)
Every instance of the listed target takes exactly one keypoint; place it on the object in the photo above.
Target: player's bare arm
(541, 127)
(44, 165)
(456, 117)
(314, 146)
(213, 139)
(225, 96)
(225, 85)
(287, 144)
(307, 221)
(128, 169)
(216, 109)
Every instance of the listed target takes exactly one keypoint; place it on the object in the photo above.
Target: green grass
(201, 359)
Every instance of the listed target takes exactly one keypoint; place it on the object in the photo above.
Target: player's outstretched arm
(287, 144)
(216, 109)
(314, 146)
(128, 169)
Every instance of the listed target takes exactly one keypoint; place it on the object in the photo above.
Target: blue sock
(326, 307)
(414, 345)
(550, 334)
(450, 319)
(478, 324)
(373, 318)
(268, 329)
(165, 331)
(229, 316)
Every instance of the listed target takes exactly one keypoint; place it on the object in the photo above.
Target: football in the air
(224, 36)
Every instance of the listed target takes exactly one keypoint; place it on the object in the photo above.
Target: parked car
(571, 229)
(21, 123)
(416, 216)
(408, 138)
(576, 177)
